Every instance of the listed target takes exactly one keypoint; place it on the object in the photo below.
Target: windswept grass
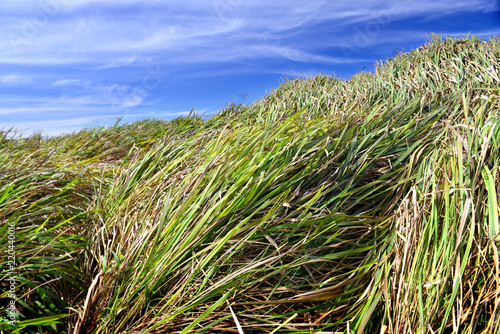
(360, 206)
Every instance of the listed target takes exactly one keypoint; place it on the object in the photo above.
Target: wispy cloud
(56, 32)
(90, 92)
(70, 82)
(15, 80)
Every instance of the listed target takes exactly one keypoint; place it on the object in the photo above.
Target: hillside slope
(369, 205)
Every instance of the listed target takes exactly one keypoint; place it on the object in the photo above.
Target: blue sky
(67, 64)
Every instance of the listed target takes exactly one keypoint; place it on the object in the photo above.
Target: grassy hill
(368, 205)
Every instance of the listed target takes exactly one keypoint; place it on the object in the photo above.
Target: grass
(362, 206)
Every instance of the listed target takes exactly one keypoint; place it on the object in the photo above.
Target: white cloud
(301, 56)
(176, 31)
(69, 82)
(76, 97)
(33, 110)
(15, 80)
(86, 92)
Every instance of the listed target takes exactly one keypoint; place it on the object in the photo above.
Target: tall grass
(368, 205)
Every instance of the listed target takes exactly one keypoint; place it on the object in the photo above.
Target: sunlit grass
(369, 206)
